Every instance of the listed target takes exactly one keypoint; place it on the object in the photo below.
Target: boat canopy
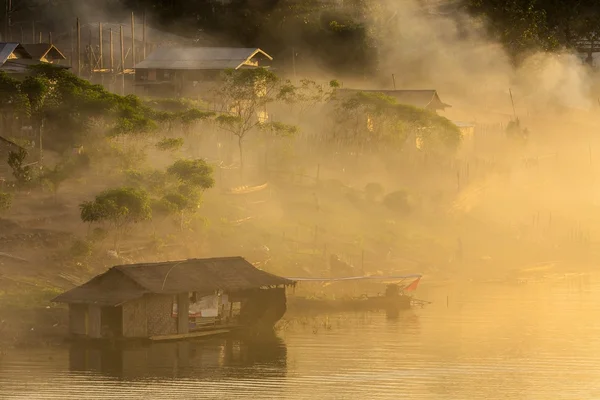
(394, 278)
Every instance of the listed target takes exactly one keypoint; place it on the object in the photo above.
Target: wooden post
(7, 12)
(122, 62)
(183, 307)
(94, 322)
(50, 37)
(362, 263)
(318, 172)
(78, 48)
(101, 55)
(112, 57)
(144, 37)
(132, 40)
(40, 38)
(72, 58)
(32, 31)
(394, 81)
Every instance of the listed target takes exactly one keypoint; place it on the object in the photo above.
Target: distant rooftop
(418, 98)
(200, 58)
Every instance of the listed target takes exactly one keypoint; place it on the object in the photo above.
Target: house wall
(135, 323)
(77, 319)
(94, 321)
(159, 314)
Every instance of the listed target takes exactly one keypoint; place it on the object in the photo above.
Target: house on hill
(428, 99)
(15, 58)
(182, 69)
(176, 299)
(44, 52)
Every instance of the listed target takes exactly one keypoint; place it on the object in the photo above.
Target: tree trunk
(241, 157)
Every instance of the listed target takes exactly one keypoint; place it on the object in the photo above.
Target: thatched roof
(200, 58)
(418, 98)
(127, 282)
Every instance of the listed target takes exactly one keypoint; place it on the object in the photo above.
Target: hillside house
(427, 99)
(44, 52)
(175, 299)
(191, 69)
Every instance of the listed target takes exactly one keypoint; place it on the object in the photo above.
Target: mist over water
(490, 341)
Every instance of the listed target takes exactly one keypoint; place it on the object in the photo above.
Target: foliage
(197, 173)
(120, 208)
(5, 201)
(397, 201)
(66, 168)
(377, 120)
(244, 95)
(21, 171)
(523, 25)
(170, 144)
(81, 248)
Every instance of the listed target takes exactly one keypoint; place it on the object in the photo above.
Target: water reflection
(219, 358)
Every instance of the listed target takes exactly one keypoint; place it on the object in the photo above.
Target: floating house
(176, 300)
(427, 99)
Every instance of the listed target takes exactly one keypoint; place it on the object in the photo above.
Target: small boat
(395, 298)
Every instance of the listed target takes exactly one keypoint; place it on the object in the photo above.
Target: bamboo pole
(101, 55)
(144, 37)
(72, 58)
(112, 57)
(132, 40)
(32, 31)
(78, 48)
(40, 38)
(50, 37)
(122, 62)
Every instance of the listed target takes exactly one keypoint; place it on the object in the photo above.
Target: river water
(476, 341)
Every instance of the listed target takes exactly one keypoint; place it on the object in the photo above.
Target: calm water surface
(527, 341)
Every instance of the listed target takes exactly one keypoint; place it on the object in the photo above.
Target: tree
(21, 171)
(376, 121)
(37, 90)
(193, 177)
(120, 208)
(170, 144)
(244, 95)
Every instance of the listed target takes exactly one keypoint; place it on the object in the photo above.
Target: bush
(397, 201)
(5, 201)
(373, 191)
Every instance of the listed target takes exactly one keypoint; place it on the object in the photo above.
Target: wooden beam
(101, 55)
(144, 38)
(192, 334)
(112, 57)
(132, 40)
(78, 27)
(183, 311)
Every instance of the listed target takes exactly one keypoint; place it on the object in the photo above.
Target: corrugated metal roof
(41, 50)
(417, 98)
(194, 275)
(6, 49)
(199, 58)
